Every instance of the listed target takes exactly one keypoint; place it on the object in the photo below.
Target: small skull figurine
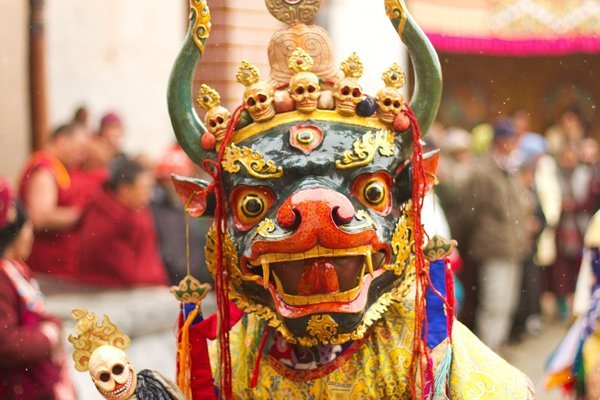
(346, 91)
(217, 117)
(259, 95)
(112, 373)
(389, 99)
(304, 88)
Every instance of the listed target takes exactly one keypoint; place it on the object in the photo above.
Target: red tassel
(256, 371)
(222, 275)
(419, 185)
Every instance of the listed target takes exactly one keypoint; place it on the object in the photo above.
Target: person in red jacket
(31, 360)
(119, 244)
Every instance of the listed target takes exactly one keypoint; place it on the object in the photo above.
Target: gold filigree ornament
(247, 74)
(395, 10)
(438, 248)
(402, 244)
(253, 162)
(352, 67)
(89, 335)
(294, 11)
(300, 61)
(366, 147)
(394, 77)
(217, 117)
(190, 290)
(322, 327)
(266, 228)
(367, 222)
(200, 14)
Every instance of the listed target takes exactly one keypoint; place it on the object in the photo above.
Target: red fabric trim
(516, 48)
(208, 327)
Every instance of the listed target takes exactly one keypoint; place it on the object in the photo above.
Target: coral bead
(401, 122)
(208, 141)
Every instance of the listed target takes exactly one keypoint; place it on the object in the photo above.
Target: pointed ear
(196, 200)
(403, 179)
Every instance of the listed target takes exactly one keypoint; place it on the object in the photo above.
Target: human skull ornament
(346, 91)
(304, 88)
(216, 120)
(347, 94)
(390, 102)
(259, 98)
(112, 373)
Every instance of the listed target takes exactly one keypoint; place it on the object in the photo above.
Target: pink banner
(515, 48)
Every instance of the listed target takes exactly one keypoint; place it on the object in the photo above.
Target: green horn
(428, 80)
(186, 123)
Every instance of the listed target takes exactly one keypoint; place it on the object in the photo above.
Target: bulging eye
(373, 191)
(250, 204)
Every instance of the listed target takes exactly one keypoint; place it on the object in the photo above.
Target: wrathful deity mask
(317, 234)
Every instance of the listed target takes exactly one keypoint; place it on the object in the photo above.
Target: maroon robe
(54, 252)
(118, 246)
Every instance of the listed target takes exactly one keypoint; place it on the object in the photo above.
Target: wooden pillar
(37, 75)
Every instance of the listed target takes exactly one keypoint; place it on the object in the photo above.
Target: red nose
(315, 207)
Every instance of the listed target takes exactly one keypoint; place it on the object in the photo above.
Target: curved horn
(428, 73)
(187, 125)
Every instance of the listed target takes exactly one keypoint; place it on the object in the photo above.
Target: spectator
(52, 195)
(169, 217)
(112, 132)
(119, 244)
(492, 230)
(456, 164)
(31, 360)
(570, 129)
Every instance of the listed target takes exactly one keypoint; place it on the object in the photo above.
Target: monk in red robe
(53, 199)
(119, 244)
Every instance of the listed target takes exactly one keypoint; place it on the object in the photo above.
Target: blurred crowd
(102, 216)
(518, 203)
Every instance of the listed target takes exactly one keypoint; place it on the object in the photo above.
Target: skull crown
(259, 95)
(390, 100)
(217, 117)
(346, 91)
(304, 88)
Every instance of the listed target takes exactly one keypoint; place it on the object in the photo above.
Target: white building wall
(363, 27)
(115, 55)
(14, 107)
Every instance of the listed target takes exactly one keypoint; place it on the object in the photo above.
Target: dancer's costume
(575, 364)
(325, 284)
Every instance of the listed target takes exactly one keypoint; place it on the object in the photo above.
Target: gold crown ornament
(259, 95)
(217, 118)
(304, 88)
(390, 101)
(346, 91)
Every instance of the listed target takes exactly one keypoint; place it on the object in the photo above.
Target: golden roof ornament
(294, 11)
(394, 77)
(89, 336)
(300, 61)
(352, 67)
(247, 74)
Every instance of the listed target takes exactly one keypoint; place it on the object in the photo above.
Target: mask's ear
(194, 196)
(403, 180)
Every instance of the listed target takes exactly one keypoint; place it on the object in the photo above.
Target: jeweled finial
(190, 290)
(394, 77)
(247, 74)
(300, 61)
(208, 97)
(352, 66)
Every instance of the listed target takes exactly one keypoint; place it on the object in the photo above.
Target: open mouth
(320, 275)
(120, 390)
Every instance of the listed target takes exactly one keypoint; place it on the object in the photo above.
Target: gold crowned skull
(112, 373)
(304, 88)
(346, 91)
(217, 117)
(389, 99)
(259, 95)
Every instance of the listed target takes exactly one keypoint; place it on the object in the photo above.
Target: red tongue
(319, 277)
